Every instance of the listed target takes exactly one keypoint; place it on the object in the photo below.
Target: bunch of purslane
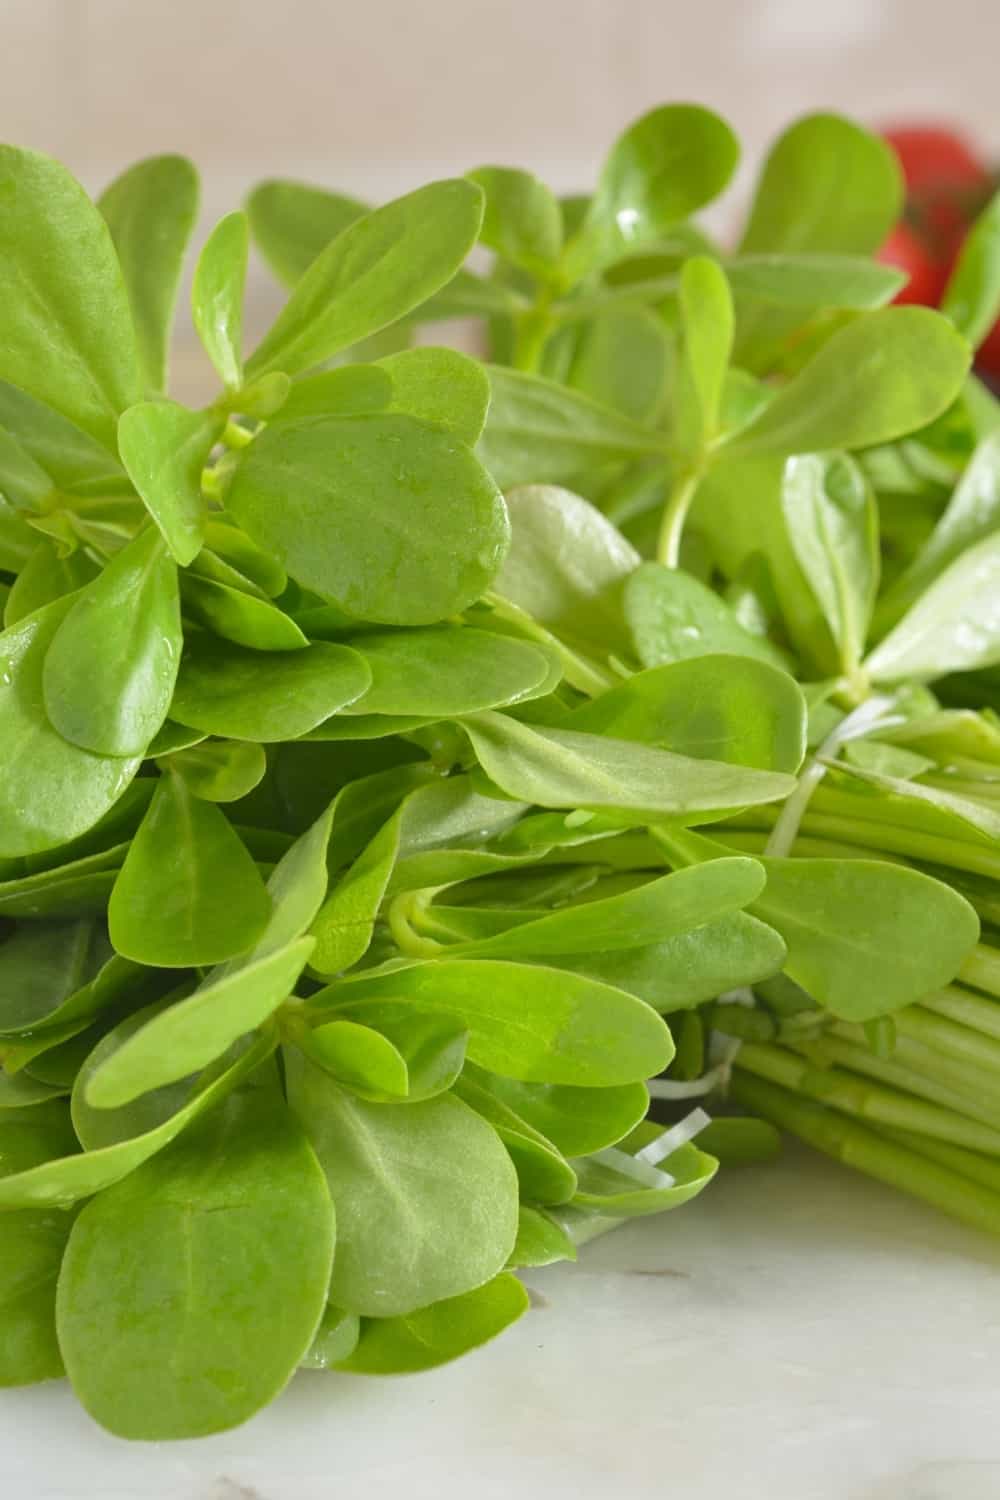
(387, 747)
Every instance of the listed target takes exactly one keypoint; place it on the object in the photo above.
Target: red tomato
(988, 355)
(904, 248)
(934, 156)
(946, 184)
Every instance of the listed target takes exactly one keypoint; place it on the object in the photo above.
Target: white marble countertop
(797, 1334)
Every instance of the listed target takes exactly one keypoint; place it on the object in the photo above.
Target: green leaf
(706, 308)
(264, 696)
(543, 1175)
(79, 888)
(563, 768)
(426, 1195)
(165, 447)
(827, 186)
(440, 386)
(972, 297)
(538, 431)
(954, 625)
(537, 1024)
(783, 300)
(41, 965)
(470, 296)
(444, 670)
(344, 925)
(432, 1047)
(47, 576)
(607, 1189)
(190, 1291)
(188, 892)
(359, 1058)
(850, 924)
(217, 295)
(297, 886)
(813, 283)
(21, 1091)
(114, 1152)
(31, 1250)
(233, 547)
(671, 162)
(833, 528)
(129, 620)
(392, 520)
(878, 378)
(192, 1033)
(292, 222)
(540, 1240)
(653, 912)
(50, 791)
(623, 359)
(220, 770)
(687, 970)
(22, 482)
(522, 221)
(725, 708)
(433, 1335)
(75, 461)
(376, 271)
(241, 618)
(674, 617)
(65, 323)
(972, 513)
(336, 1337)
(566, 566)
(151, 210)
(576, 1120)
(896, 779)
(348, 391)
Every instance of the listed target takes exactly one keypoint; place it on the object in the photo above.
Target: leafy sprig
(389, 747)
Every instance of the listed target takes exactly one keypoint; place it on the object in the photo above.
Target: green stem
(860, 722)
(967, 1008)
(971, 1164)
(873, 836)
(981, 969)
(908, 1070)
(400, 915)
(949, 1038)
(856, 1146)
(865, 1099)
(668, 546)
(531, 333)
(586, 676)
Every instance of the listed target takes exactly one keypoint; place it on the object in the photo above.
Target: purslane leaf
(827, 186)
(51, 791)
(217, 295)
(165, 447)
(160, 1338)
(842, 398)
(188, 892)
(65, 324)
(292, 222)
(426, 1193)
(566, 768)
(377, 270)
(129, 619)
(392, 520)
(537, 1024)
(151, 210)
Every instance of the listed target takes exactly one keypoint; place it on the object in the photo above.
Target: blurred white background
(375, 96)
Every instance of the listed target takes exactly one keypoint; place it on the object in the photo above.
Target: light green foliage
(358, 762)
